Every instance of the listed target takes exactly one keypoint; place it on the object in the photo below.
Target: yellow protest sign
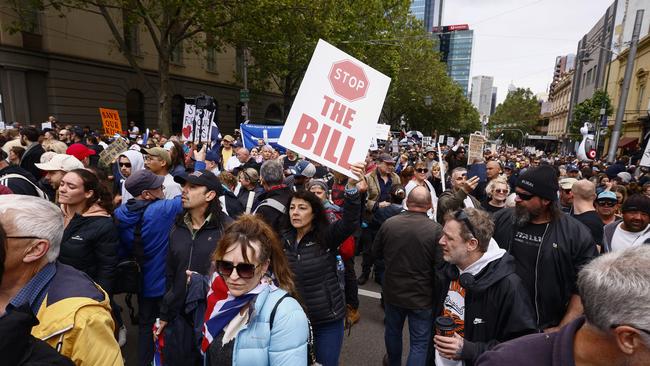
(111, 121)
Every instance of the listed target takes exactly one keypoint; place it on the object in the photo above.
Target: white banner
(335, 112)
(192, 122)
(383, 131)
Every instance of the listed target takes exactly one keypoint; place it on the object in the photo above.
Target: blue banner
(270, 134)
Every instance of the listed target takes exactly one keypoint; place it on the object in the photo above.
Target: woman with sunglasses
(253, 315)
(420, 179)
(310, 244)
(436, 177)
(497, 191)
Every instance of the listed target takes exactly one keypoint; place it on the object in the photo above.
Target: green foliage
(520, 110)
(589, 110)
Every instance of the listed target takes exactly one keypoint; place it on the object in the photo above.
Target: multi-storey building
(429, 12)
(482, 94)
(456, 43)
(558, 112)
(70, 66)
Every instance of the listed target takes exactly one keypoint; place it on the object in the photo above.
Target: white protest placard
(426, 140)
(335, 112)
(373, 144)
(197, 124)
(441, 139)
(395, 146)
(383, 131)
(450, 141)
(475, 150)
(45, 125)
(645, 160)
(2, 125)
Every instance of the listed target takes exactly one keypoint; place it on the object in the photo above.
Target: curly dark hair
(101, 194)
(319, 222)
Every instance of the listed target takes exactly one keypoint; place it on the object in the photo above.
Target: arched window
(178, 108)
(273, 113)
(135, 108)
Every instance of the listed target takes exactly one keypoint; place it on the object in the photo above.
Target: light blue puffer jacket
(286, 344)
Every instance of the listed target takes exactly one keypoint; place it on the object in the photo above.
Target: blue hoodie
(158, 220)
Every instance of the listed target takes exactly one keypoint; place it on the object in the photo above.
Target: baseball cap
(625, 177)
(386, 158)
(212, 155)
(80, 151)
(161, 153)
(142, 180)
(303, 169)
(62, 162)
(429, 149)
(607, 195)
(567, 183)
(636, 202)
(509, 165)
(201, 178)
(572, 168)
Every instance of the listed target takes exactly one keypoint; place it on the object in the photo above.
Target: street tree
(520, 110)
(169, 23)
(589, 111)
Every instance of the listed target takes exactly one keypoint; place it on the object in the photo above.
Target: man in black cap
(549, 247)
(634, 229)
(191, 243)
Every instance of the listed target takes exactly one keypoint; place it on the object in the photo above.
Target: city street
(364, 345)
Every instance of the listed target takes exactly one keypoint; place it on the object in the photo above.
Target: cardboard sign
(45, 125)
(197, 124)
(475, 150)
(645, 160)
(336, 109)
(383, 131)
(113, 150)
(110, 121)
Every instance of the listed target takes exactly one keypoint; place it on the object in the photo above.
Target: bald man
(584, 195)
(410, 257)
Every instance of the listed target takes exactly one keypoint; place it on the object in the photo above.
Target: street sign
(244, 95)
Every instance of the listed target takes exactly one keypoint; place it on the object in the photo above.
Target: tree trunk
(164, 95)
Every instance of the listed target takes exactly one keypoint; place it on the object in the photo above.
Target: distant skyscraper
(482, 94)
(456, 51)
(563, 64)
(493, 106)
(428, 11)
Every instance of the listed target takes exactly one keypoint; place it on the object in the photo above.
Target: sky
(516, 41)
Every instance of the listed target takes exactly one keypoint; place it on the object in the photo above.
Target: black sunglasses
(501, 190)
(460, 215)
(524, 196)
(128, 165)
(244, 270)
(607, 203)
(422, 170)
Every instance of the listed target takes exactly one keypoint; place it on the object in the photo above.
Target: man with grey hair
(410, 257)
(74, 312)
(615, 329)
(275, 199)
(480, 292)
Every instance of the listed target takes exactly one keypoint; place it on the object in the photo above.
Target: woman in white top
(420, 179)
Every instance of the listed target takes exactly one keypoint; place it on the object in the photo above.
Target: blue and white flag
(270, 134)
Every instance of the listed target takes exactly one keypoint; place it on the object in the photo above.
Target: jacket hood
(133, 211)
(136, 159)
(94, 211)
(494, 265)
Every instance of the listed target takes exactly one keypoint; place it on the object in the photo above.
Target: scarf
(222, 307)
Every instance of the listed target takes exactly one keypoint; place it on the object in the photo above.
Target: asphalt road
(364, 345)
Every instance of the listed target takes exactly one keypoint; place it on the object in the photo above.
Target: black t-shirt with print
(525, 248)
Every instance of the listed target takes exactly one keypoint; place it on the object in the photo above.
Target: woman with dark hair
(177, 154)
(311, 244)
(15, 154)
(268, 326)
(90, 238)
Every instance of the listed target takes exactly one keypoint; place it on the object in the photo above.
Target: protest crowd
(233, 255)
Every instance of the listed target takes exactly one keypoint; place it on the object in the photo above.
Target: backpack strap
(249, 202)
(273, 203)
(275, 308)
(39, 191)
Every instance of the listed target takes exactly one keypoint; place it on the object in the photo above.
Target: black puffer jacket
(314, 264)
(272, 216)
(188, 253)
(90, 245)
(566, 247)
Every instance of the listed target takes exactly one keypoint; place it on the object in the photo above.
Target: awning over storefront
(627, 142)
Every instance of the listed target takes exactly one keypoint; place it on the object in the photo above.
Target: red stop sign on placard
(348, 80)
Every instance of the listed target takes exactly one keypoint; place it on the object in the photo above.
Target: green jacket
(450, 201)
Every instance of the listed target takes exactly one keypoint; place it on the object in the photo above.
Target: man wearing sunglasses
(633, 229)
(549, 247)
(128, 163)
(606, 206)
(566, 194)
(615, 329)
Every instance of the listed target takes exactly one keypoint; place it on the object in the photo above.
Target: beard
(522, 216)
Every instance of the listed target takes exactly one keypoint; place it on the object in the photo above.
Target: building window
(639, 99)
(211, 59)
(177, 54)
(132, 38)
(135, 108)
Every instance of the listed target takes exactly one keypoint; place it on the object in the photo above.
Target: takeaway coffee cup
(445, 326)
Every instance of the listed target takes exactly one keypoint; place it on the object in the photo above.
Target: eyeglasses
(21, 237)
(244, 270)
(422, 170)
(607, 203)
(641, 329)
(460, 215)
(128, 165)
(524, 196)
(501, 191)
